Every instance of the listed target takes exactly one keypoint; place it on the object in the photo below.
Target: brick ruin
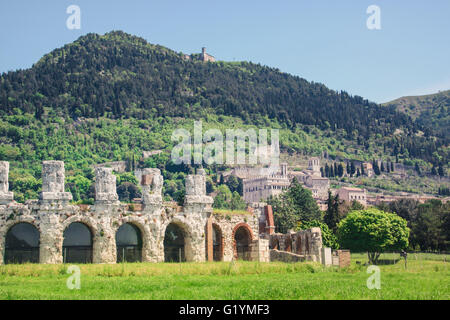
(53, 230)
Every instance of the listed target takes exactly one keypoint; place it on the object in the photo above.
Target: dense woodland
(121, 76)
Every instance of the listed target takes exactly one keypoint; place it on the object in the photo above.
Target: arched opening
(129, 243)
(77, 245)
(22, 244)
(242, 238)
(299, 245)
(174, 244)
(288, 244)
(217, 243)
(275, 244)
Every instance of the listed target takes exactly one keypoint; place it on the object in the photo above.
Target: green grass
(424, 279)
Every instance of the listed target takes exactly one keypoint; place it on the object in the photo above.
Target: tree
(237, 203)
(234, 184)
(441, 171)
(292, 206)
(223, 197)
(127, 191)
(434, 171)
(417, 168)
(374, 231)
(352, 169)
(429, 229)
(376, 168)
(331, 217)
(285, 218)
(340, 170)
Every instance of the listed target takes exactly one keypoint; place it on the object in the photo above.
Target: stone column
(196, 189)
(316, 244)
(152, 184)
(5, 195)
(53, 182)
(105, 186)
(104, 246)
(197, 207)
(51, 240)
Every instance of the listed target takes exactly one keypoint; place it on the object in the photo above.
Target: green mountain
(429, 110)
(108, 98)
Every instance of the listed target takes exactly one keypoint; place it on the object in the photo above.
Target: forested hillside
(107, 98)
(430, 110)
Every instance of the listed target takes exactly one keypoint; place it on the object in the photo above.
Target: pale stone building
(261, 188)
(351, 194)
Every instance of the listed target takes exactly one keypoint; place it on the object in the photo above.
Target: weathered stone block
(5, 195)
(105, 185)
(326, 256)
(53, 182)
(196, 189)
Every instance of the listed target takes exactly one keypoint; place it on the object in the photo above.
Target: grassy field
(426, 277)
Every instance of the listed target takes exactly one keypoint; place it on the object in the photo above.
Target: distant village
(261, 183)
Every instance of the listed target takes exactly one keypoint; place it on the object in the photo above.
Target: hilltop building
(207, 57)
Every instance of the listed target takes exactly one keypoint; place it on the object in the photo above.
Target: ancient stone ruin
(53, 230)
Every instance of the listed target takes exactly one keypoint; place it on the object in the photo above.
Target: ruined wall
(228, 224)
(306, 243)
(53, 213)
(284, 256)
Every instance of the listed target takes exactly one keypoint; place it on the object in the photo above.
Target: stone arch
(218, 242)
(177, 242)
(275, 243)
(78, 242)
(21, 242)
(242, 236)
(129, 239)
(298, 244)
(288, 244)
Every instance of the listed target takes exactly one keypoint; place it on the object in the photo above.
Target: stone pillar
(209, 240)
(259, 250)
(326, 256)
(316, 244)
(104, 247)
(53, 182)
(197, 208)
(152, 184)
(51, 239)
(196, 189)
(5, 195)
(105, 186)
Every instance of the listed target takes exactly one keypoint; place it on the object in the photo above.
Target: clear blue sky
(325, 41)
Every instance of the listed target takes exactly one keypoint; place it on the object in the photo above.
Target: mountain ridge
(430, 110)
(118, 75)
